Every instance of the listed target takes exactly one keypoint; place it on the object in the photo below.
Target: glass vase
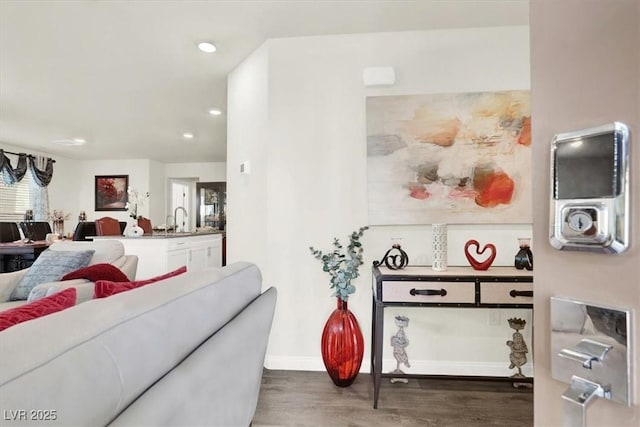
(342, 345)
(134, 230)
(58, 228)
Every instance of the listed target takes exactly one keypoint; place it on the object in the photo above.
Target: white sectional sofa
(184, 351)
(110, 252)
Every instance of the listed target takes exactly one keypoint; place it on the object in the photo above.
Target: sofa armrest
(84, 289)
(8, 282)
(128, 264)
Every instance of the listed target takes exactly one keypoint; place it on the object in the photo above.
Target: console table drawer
(454, 293)
(506, 293)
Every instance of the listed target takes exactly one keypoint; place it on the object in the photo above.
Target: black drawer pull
(441, 292)
(515, 293)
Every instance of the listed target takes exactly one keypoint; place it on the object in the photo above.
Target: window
(14, 199)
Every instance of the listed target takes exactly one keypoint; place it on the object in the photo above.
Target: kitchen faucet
(175, 217)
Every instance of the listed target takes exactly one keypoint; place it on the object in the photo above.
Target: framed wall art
(449, 158)
(111, 192)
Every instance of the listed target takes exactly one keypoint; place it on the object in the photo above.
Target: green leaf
(342, 265)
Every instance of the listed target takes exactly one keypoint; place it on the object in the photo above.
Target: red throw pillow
(105, 288)
(38, 308)
(97, 272)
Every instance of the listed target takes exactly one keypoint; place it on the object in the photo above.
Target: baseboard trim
(430, 367)
(286, 363)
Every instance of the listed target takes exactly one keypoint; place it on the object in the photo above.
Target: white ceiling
(127, 76)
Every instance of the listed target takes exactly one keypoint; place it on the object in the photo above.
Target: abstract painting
(460, 158)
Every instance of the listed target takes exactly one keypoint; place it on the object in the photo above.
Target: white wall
(72, 186)
(138, 171)
(203, 172)
(247, 232)
(297, 112)
(157, 188)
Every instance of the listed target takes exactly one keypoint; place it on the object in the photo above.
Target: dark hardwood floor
(296, 398)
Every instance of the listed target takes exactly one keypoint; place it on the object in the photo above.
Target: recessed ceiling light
(207, 47)
(215, 112)
(187, 135)
(70, 142)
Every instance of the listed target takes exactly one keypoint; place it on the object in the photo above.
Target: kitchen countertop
(161, 235)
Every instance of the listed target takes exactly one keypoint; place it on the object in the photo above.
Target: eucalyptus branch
(342, 268)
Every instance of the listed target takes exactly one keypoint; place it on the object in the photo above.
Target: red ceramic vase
(342, 345)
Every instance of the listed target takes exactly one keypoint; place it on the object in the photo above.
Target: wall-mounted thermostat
(245, 168)
(590, 189)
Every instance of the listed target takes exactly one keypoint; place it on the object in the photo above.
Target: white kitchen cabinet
(213, 253)
(158, 254)
(197, 259)
(175, 259)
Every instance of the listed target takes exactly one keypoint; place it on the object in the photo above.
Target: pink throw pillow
(105, 288)
(47, 305)
(97, 272)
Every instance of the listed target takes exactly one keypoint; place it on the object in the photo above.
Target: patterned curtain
(9, 174)
(40, 168)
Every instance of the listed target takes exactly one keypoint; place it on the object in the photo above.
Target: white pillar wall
(585, 72)
(297, 113)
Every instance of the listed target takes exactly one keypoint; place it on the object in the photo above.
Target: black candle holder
(394, 261)
(524, 257)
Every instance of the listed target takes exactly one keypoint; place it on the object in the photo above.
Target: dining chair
(9, 232)
(107, 226)
(83, 230)
(145, 224)
(37, 230)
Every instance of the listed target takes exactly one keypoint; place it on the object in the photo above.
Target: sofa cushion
(39, 308)
(118, 347)
(106, 251)
(95, 272)
(50, 267)
(105, 288)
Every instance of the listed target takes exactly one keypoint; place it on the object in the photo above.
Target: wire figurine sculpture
(399, 342)
(518, 346)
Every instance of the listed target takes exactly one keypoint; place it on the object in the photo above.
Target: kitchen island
(160, 253)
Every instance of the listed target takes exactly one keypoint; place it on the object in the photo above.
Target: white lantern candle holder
(439, 247)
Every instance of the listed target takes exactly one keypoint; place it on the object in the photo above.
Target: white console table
(463, 287)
